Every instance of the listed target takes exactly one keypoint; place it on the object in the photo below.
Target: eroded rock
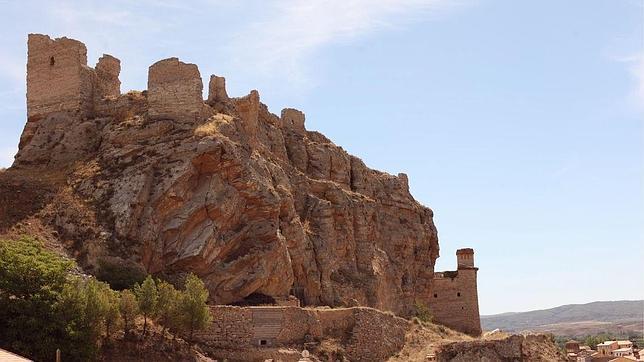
(251, 202)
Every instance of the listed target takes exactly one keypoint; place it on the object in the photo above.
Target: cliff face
(250, 201)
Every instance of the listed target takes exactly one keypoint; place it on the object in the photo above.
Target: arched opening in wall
(435, 295)
(52, 61)
(458, 294)
(255, 299)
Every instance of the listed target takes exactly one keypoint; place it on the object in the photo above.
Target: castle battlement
(59, 80)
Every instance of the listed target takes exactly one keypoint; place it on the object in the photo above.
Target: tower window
(458, 294)
(52, 61)
(435, 295)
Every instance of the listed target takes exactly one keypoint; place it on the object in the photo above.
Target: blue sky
(520, 123)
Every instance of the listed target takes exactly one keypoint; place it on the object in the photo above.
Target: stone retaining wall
(366, 334)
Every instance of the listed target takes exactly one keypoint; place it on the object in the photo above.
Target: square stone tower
(58, 78)
(453, 300)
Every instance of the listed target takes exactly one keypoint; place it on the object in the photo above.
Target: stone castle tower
(59, 80)
(453, 299)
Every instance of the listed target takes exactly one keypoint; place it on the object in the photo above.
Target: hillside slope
(609, 316)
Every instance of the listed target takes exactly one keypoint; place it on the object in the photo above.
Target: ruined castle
(390, 273)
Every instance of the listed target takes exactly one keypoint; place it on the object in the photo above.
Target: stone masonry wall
(58, 78)
(217, 90)
(175, 91)
(453, 300)
(108, 84)
(368, 334)
(231, 327)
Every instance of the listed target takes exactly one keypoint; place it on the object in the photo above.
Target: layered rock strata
(252, 202)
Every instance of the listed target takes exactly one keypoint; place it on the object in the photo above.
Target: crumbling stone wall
(217, 90)
(293, 119)
(175, 91)
(366, 333)
(108, 84)
(371, 340)
(248, 110)
(231, 327)
(58, 78)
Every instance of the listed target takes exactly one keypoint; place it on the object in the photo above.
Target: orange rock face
(251, 202)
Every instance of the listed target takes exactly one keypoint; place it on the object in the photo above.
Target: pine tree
(168, 304)
(147, 297)
(129, 310)
(195, 313)
(96, 305)
(112, 313)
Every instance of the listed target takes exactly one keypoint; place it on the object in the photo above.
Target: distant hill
(618, 317)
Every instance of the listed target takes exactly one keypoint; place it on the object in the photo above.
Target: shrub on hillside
(44, 306)
(422, 312)
(41, 311)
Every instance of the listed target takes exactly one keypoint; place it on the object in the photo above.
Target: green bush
(44, 306)
(40, 310)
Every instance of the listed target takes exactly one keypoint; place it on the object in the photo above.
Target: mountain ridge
(611, 316)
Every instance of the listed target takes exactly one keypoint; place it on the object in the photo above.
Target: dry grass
(423, 339)
(211, 127)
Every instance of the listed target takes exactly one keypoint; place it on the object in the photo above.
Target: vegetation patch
(45, 305)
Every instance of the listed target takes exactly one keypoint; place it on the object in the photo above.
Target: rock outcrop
(529, 348)
(250, 201)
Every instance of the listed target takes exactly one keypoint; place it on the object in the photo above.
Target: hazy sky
(520, 123)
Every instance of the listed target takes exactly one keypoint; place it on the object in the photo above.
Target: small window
(435, 295)
(458, 294)
(52, 61)
(263, 342)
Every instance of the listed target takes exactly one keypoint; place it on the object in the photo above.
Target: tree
(129, 310)
(147, 297)
(168, 303)
(96, 305)
(112, 313)
(194, 311)
(41, 308)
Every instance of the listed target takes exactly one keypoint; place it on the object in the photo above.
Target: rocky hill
(260, 208)
(160, 181)
(573, 319)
